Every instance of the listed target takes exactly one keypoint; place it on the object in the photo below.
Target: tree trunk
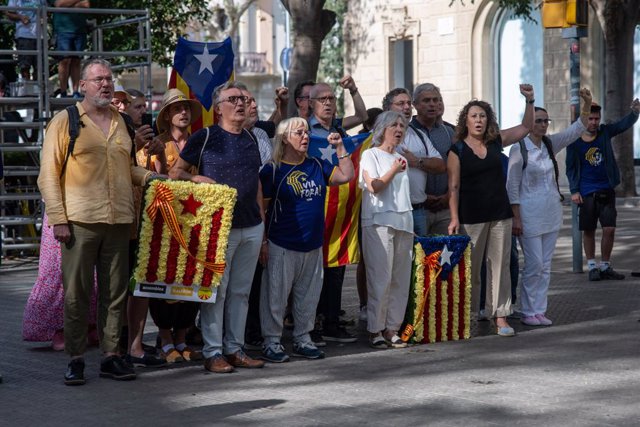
(618, 19)
(311, 24)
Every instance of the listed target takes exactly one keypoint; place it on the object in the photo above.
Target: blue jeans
(420, 222)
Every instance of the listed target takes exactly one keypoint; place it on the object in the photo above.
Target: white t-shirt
(418, 177)
(392, 206)
(534, 188)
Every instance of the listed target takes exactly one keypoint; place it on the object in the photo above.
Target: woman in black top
(478, 200)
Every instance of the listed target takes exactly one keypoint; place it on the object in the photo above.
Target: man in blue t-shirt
(593, 175)
(226, 153)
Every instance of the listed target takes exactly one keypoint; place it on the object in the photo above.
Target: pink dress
(44, 312)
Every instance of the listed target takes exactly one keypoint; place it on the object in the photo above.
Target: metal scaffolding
(20, 201)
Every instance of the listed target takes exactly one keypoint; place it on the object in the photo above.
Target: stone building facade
(459, 47)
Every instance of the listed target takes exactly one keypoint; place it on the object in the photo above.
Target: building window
(519, 52)
(401, 64)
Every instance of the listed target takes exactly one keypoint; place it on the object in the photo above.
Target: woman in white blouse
(387, 230)
(537, 209)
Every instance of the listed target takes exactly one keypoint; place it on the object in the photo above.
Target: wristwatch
(420, 163)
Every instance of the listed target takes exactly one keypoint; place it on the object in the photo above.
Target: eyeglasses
(100, 80)
(300, 133)
(235, 98)
(251, 100)
(325, 99)
(545, 121)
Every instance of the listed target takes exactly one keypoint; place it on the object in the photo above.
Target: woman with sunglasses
(294, 187)
(532, 186)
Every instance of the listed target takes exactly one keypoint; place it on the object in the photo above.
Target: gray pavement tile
(583, 371)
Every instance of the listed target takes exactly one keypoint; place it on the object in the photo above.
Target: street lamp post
(574, 34)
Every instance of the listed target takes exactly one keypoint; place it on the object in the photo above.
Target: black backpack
(547, 143)
(74, 131)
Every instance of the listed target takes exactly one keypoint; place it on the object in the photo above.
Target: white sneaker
(530, 321)
(363, 313)
(544, 321)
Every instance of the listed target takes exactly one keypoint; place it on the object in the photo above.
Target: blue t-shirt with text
(295, 218)
(231, 159)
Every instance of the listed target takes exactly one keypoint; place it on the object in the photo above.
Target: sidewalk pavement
(583, 371)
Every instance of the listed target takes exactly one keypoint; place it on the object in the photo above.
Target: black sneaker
(611, 274)
(75, 372)
(149, 349)
(594, 275)
(338, 334)
(146, 361)
(316, 337)
(115, 367)
(346, 321)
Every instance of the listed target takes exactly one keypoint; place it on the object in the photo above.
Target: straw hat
(120, 93)
(171, 97)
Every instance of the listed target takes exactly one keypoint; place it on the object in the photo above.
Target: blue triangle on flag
(204, 66)
(320, 147)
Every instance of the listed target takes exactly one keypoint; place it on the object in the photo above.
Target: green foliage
(7, 29)
(169, 21)
(520, 8)
(331, 68)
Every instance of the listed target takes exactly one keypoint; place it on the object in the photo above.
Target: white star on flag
(445, 256)
(206, 59)
(327, 153)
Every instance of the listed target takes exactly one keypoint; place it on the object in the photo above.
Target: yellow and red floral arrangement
(183, 240)
(440, 296)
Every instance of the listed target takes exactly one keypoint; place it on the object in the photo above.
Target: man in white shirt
(421, 155)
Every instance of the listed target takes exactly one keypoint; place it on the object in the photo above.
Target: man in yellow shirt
(90, 206)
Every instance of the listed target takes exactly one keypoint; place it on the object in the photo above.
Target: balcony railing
(252, 63)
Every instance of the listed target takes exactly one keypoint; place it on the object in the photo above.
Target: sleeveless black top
(483, 193)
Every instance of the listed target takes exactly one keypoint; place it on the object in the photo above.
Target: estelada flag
(198, 68)
(342, 204)
(439, 307)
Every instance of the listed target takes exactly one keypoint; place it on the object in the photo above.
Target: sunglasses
(235, 98)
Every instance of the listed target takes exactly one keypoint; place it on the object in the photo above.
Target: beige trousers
(494, 240)
(387, 259)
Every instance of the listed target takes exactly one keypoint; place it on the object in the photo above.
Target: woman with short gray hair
(387, 230)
